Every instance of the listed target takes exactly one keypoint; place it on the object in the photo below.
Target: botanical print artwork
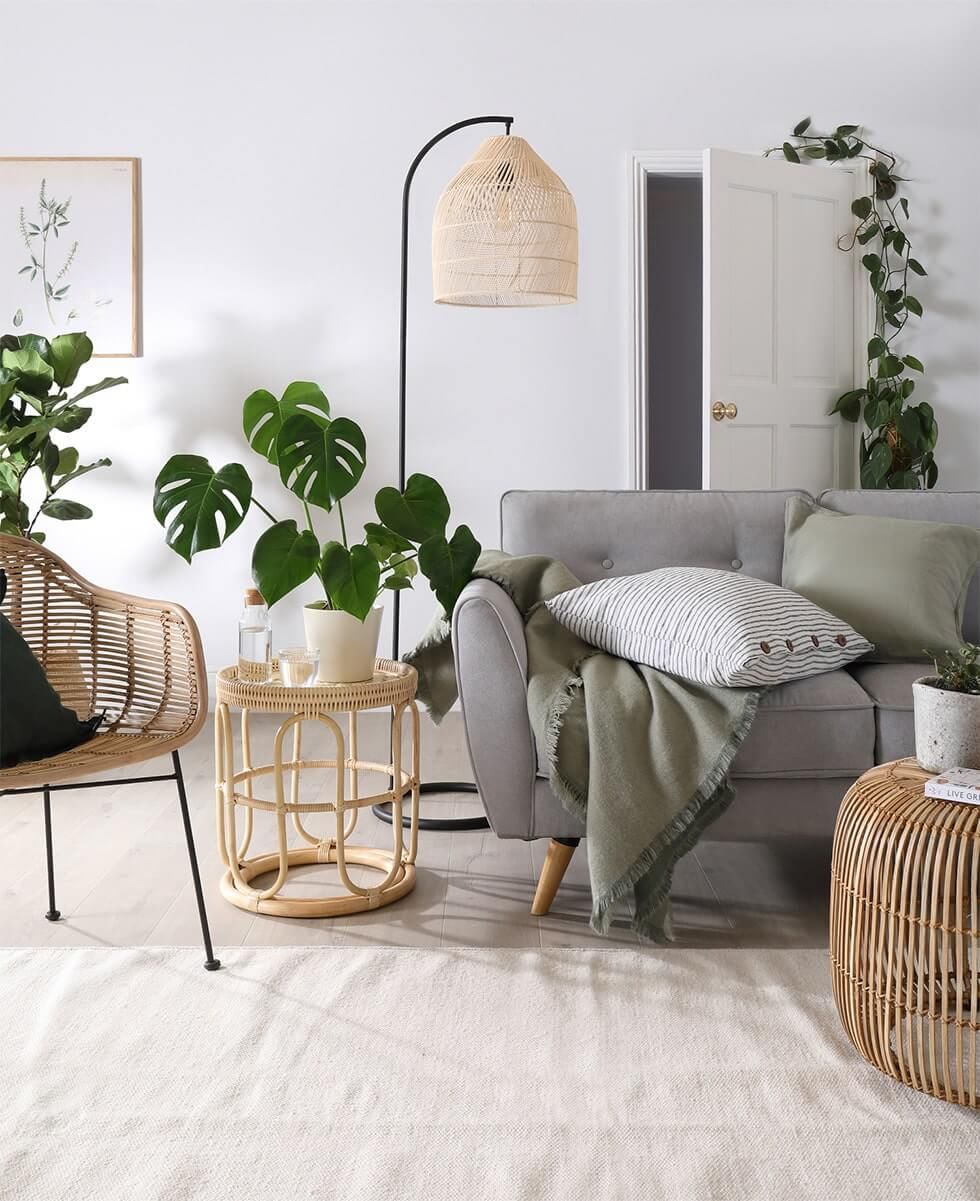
(67, 249)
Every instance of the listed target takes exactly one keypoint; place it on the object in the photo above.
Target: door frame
(686, 163)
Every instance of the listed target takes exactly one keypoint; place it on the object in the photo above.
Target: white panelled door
(779, 324)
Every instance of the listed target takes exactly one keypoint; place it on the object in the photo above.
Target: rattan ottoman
(905, 930)
(393, 686)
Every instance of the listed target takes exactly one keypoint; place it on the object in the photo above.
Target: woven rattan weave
(393, 685)
(139, 661)
(905, 930)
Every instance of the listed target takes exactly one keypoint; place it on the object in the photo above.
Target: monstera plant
(35, 411)
(320, 459)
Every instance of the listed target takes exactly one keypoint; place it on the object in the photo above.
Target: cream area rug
(453, 1075)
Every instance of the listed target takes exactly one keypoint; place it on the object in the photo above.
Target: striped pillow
(709, 626)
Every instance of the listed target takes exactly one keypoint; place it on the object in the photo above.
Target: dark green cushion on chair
(34, 724)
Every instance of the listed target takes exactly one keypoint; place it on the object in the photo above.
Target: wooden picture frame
(104, 207)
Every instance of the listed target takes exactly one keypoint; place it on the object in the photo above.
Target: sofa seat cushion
(889, 685)
(821, 726)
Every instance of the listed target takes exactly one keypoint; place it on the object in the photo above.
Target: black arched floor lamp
(504, 235)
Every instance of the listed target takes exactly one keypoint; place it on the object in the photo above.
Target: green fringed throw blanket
(641, 757)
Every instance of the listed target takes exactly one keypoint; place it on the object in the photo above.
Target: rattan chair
(138, 661)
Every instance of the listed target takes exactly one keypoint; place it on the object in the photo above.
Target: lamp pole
(428, 787)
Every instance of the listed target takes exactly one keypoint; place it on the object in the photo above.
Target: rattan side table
(393, 686)
(905, 930)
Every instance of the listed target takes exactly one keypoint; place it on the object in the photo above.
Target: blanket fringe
(711, 799)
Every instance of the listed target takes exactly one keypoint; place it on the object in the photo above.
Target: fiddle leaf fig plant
(35, 410)
(898, 443)
(321, 459)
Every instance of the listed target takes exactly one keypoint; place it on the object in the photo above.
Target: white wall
(274, 137)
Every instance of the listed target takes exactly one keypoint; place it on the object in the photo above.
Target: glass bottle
(255, 640)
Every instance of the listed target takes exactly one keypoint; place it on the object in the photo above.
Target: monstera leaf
(263, 415)
(189, 496)
(351, 578)
(420, 512)
(283, 558)
(320, 463)
(448, 565)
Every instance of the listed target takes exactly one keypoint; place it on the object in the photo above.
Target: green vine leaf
(916, 267)
(790, 154)
(877, 347)
(911, 361)
(913, 305)
(801, 127)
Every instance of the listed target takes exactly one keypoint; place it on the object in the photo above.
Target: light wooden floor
(123, 878)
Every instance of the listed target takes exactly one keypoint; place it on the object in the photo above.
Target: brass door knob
(720, 411)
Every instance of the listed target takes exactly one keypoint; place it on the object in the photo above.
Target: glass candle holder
(298, 667)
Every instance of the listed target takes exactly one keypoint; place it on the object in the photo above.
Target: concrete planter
(947, 726)
(347, 647)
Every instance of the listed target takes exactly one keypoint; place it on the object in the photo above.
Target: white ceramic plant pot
(347, 647)
(947, 726)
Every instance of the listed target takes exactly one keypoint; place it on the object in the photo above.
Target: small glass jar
(298, 667)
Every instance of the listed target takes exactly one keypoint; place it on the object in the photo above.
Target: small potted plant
(320, 460)
(947, 711)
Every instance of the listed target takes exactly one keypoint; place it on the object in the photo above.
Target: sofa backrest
(957, 508)
(598, 534)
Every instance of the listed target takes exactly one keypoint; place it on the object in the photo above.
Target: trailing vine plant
(898, 442)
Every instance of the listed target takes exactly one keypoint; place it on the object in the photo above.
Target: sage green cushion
(901, 584)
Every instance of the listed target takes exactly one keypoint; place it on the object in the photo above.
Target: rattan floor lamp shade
(504, 235)
(505, 232)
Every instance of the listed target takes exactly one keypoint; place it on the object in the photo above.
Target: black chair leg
(210, 963)
(53, 913)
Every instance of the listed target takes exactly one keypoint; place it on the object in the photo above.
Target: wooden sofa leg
(559, 856)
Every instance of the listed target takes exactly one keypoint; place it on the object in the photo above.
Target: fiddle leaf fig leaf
(65, 510)
(190, 497)
(320, 463)
(284, 557)
(34, 375)
(72, 418)
(68, 353)
(418, 513)
(351, 578)
(448, 565)
(110, 382)
(8, 479)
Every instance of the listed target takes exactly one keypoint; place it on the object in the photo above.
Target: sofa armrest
(491, 669)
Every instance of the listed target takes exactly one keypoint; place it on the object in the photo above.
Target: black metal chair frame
(54, 914)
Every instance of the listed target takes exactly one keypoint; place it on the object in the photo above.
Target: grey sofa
(811, 737)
